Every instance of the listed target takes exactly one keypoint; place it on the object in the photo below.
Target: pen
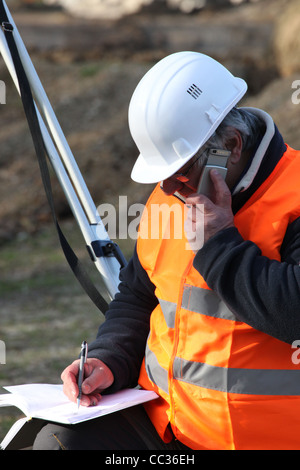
(83, 356)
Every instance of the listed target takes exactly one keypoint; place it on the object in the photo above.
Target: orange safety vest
(222, 384)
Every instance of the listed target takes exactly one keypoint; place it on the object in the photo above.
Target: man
(206, 319)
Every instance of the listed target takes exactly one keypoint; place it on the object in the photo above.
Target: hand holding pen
(86, 388)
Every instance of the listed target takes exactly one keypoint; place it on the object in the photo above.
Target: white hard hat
(174, 110)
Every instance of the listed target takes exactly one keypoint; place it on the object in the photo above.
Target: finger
(194, 232)
(195, 213)
(69, 378)
(97, 379)
(195, 199)
(222, 192)
(90, 400)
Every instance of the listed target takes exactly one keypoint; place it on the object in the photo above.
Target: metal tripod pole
(65, 166)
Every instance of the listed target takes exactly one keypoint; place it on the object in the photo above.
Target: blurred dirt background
(89, 69)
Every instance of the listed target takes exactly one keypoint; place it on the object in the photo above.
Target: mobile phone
(217, 159)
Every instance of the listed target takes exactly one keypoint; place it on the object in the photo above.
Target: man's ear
(235, 145)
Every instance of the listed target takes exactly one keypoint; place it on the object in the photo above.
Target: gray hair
(249, 125)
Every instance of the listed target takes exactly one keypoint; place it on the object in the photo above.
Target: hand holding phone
(217, 159)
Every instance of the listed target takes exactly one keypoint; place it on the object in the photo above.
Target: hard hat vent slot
(194, 91)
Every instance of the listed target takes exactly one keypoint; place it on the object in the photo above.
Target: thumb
(98, 376)
(223, 194)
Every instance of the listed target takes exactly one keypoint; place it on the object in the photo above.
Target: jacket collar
(266, 156)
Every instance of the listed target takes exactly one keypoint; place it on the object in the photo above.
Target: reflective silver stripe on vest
(169, 311)
(198, 300)
(206, 302)
(229, 380)
(243, 381)
(155, 371)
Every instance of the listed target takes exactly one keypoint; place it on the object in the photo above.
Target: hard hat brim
(144, 173)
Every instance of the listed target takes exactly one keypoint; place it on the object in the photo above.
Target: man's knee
(53, 437)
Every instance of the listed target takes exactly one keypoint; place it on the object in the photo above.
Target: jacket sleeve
(261, 292)
(121, 339)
